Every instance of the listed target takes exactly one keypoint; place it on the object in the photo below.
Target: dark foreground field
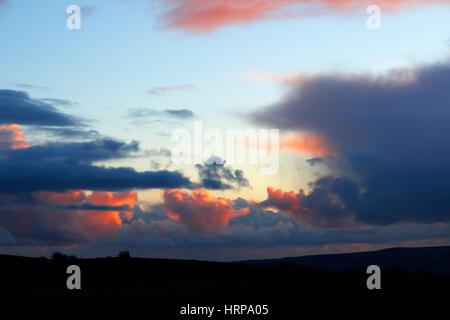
(410, 279)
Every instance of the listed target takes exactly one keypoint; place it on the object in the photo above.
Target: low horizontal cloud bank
(188, 221)
(206, 15)
(390, 137)
(238, 223)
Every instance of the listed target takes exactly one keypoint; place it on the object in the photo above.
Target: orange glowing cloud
(114, 199)
(311, 144)
(67, 198)
(207, 15)
(11, 137)
(286, 200)
(200, 211)
(94, 223)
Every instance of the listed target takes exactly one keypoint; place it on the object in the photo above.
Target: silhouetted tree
(59, 257)
(124, 254)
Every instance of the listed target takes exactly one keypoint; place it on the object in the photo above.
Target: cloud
(71, 133)
(17, 107)
(325, 212)
(11, 137)
(68, 166)
(186, 221)
(182, 113)
(61, 102)
(253, 227)
(27, 86)
(314, 145)
(46, 218)
(363, 111)
(73, 152)
(279, 78)
(200, 211)
(389, 135)
(173, 113)
(206, 15)
(316, 160)
(217, 176)
(162, 90)
(28, 175)
(5, 237)
(159, 152)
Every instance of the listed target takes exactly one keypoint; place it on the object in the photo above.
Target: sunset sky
(86, 118)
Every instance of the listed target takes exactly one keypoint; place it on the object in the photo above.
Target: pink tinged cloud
(197, 16)
(309, 144)
(11, 137)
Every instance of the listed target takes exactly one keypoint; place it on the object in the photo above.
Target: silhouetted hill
(429, 259)
(287, 286)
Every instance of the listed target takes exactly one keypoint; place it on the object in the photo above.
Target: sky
(88, 115)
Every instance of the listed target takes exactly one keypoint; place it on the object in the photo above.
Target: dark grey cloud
(258, 218)
(5, 237)
(94, 207)
(217, 176)
(181, 113)
(73, 152)
(17, 107)
(390, 136)
(313, 161)
(26, 176)
(403, 114)
(69, 166)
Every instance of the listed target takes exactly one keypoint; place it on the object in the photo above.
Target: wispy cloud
(27, 86)
(166, 89)
(172, 113)
(207, 15)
